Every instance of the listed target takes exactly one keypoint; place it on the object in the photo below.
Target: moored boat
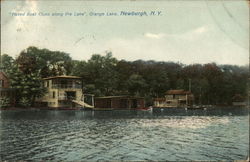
(196, 107)
(145, 109)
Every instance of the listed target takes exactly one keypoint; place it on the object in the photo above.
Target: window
(54, 94)
(1, 83)
(123, 103)
(183, 102)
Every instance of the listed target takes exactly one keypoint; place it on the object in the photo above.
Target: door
(71, 95)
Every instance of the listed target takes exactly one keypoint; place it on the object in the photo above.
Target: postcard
(124, 80)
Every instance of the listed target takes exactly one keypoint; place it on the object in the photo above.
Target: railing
(77, 86)
(66, 98)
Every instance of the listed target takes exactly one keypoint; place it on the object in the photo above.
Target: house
(119, 102)
(160, 102)
(4, 80)
(175, 98)
(238, 100)
(6, 92)
(62, 91)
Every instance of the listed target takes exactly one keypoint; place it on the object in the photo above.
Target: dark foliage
(105, 75)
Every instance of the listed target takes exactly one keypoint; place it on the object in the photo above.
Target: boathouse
(119, 102)
(175, 98)
(238, 100)
(62, 91)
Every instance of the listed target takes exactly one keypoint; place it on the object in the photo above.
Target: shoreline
(70, 109)
(37, 108)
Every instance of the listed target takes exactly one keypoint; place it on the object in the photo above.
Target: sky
(185, 31)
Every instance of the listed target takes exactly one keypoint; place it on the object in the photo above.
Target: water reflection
(78, 114)
(124, 135)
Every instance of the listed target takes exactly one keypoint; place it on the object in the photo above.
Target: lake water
(217, 134)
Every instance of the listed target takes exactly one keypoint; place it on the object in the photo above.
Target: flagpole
(0, 59)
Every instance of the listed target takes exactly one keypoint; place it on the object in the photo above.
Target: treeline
(105, 75)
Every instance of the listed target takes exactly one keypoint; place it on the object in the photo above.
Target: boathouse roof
(107, 97)
(178, 92)
(159, 99)
(238, 98)
(63, 77)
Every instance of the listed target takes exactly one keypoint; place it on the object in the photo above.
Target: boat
(145, 109)
(196, 107)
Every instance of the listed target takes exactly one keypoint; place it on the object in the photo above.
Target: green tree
(7, 63)
(136, 85)
(156, 78)
(99, 71)
(214, 77)
(4, 102)
(49, 63)
(27, 86)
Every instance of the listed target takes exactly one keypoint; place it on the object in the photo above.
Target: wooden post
(0, 59)
(190, 85)
(83, 99)
(186, 100)
(93, 102)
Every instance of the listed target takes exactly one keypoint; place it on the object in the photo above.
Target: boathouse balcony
(63, 82)
(66, 98)
(65, 86)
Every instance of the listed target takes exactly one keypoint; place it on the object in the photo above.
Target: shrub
(4, 102)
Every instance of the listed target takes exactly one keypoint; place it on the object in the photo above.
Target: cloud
(189, 35)
(200, 30)
(154, 36)
(195, 46)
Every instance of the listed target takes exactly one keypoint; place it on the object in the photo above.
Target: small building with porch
(61, 92)
(175, 98)
(119, 102)
(239, 100)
